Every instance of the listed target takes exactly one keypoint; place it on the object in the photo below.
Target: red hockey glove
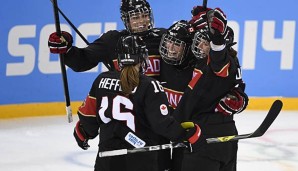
(60, 44)
(217, 23)
(233, 103)
(199, 19)
(198, 9)
(193, 131)
(81, 136)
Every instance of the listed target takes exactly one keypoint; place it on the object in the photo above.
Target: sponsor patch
(134, 140)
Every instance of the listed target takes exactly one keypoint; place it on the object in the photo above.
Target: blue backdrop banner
(265, 31)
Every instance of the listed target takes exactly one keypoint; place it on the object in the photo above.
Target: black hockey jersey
(211, 81)
(145, 112)
(103, 50)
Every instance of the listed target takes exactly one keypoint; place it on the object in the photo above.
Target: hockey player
(103, 49)
(135, 100)
(215, 74)
(137, 17)
(177, 70)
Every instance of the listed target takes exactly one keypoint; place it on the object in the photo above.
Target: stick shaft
(62, 65)
(109, 66)
(205, 4)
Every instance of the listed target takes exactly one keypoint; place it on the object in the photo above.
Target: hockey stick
(205, 4)
(63, 70)
(141, 149)
(272, 114)
(72, 26)
(78, 32)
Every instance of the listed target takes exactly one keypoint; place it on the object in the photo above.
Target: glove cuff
(194, 138)
(216, 47)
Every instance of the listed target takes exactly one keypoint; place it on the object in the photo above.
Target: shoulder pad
(124, 32)
(158, 31)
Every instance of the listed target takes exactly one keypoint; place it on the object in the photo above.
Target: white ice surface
(47, 144)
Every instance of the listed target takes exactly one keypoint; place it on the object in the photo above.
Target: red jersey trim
(88, 108)
(224, 72)
(197, 75)
(173, 97)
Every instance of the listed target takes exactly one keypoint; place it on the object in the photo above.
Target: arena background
(30, 77)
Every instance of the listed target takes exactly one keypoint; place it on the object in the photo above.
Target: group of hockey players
(181, 84)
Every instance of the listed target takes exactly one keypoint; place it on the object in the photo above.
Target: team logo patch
(164, 109)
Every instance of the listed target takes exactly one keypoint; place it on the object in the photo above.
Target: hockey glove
(193, 131)
(198, 9)
(199, 21)
(60, 44)
(217, 24)
(233, 103)
(199, 18)
(81, 136)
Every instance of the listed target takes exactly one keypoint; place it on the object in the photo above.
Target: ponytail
(129, 78)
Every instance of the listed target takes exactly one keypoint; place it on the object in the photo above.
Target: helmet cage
(172, 49)
(138, 20)
(199, 37)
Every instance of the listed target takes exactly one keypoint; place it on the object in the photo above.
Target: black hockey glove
(61, 44)
(217, 24)
(234, 102)
(81, 136)
(194, 135)
(193, 131)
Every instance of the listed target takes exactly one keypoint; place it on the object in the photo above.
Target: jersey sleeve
(219, 62)
(158, 114)
(87, 114)
(101, 50)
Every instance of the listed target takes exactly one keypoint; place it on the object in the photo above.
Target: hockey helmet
(132, 50)
(175, 44)
(137, 15)
(200, 41)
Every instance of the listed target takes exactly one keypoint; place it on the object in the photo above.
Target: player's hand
(199, 17)
(81, 136)
(193, 131)
(234, 102)
(198, 9)
(61, 44)
(199, 21)
(217, 24)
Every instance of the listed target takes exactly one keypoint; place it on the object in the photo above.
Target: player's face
(174, 50)
(139, 21)
(204, 47)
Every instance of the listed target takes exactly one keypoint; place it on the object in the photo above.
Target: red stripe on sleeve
(224, 72)
(196, 76)
(88, 108)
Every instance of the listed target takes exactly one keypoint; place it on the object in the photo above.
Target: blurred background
(31, 81)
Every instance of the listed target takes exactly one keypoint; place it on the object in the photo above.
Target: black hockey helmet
(137, 15)
(131, 50)
(200, 37)
(175, 45)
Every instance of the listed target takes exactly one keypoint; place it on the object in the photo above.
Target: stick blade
(271, 116)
